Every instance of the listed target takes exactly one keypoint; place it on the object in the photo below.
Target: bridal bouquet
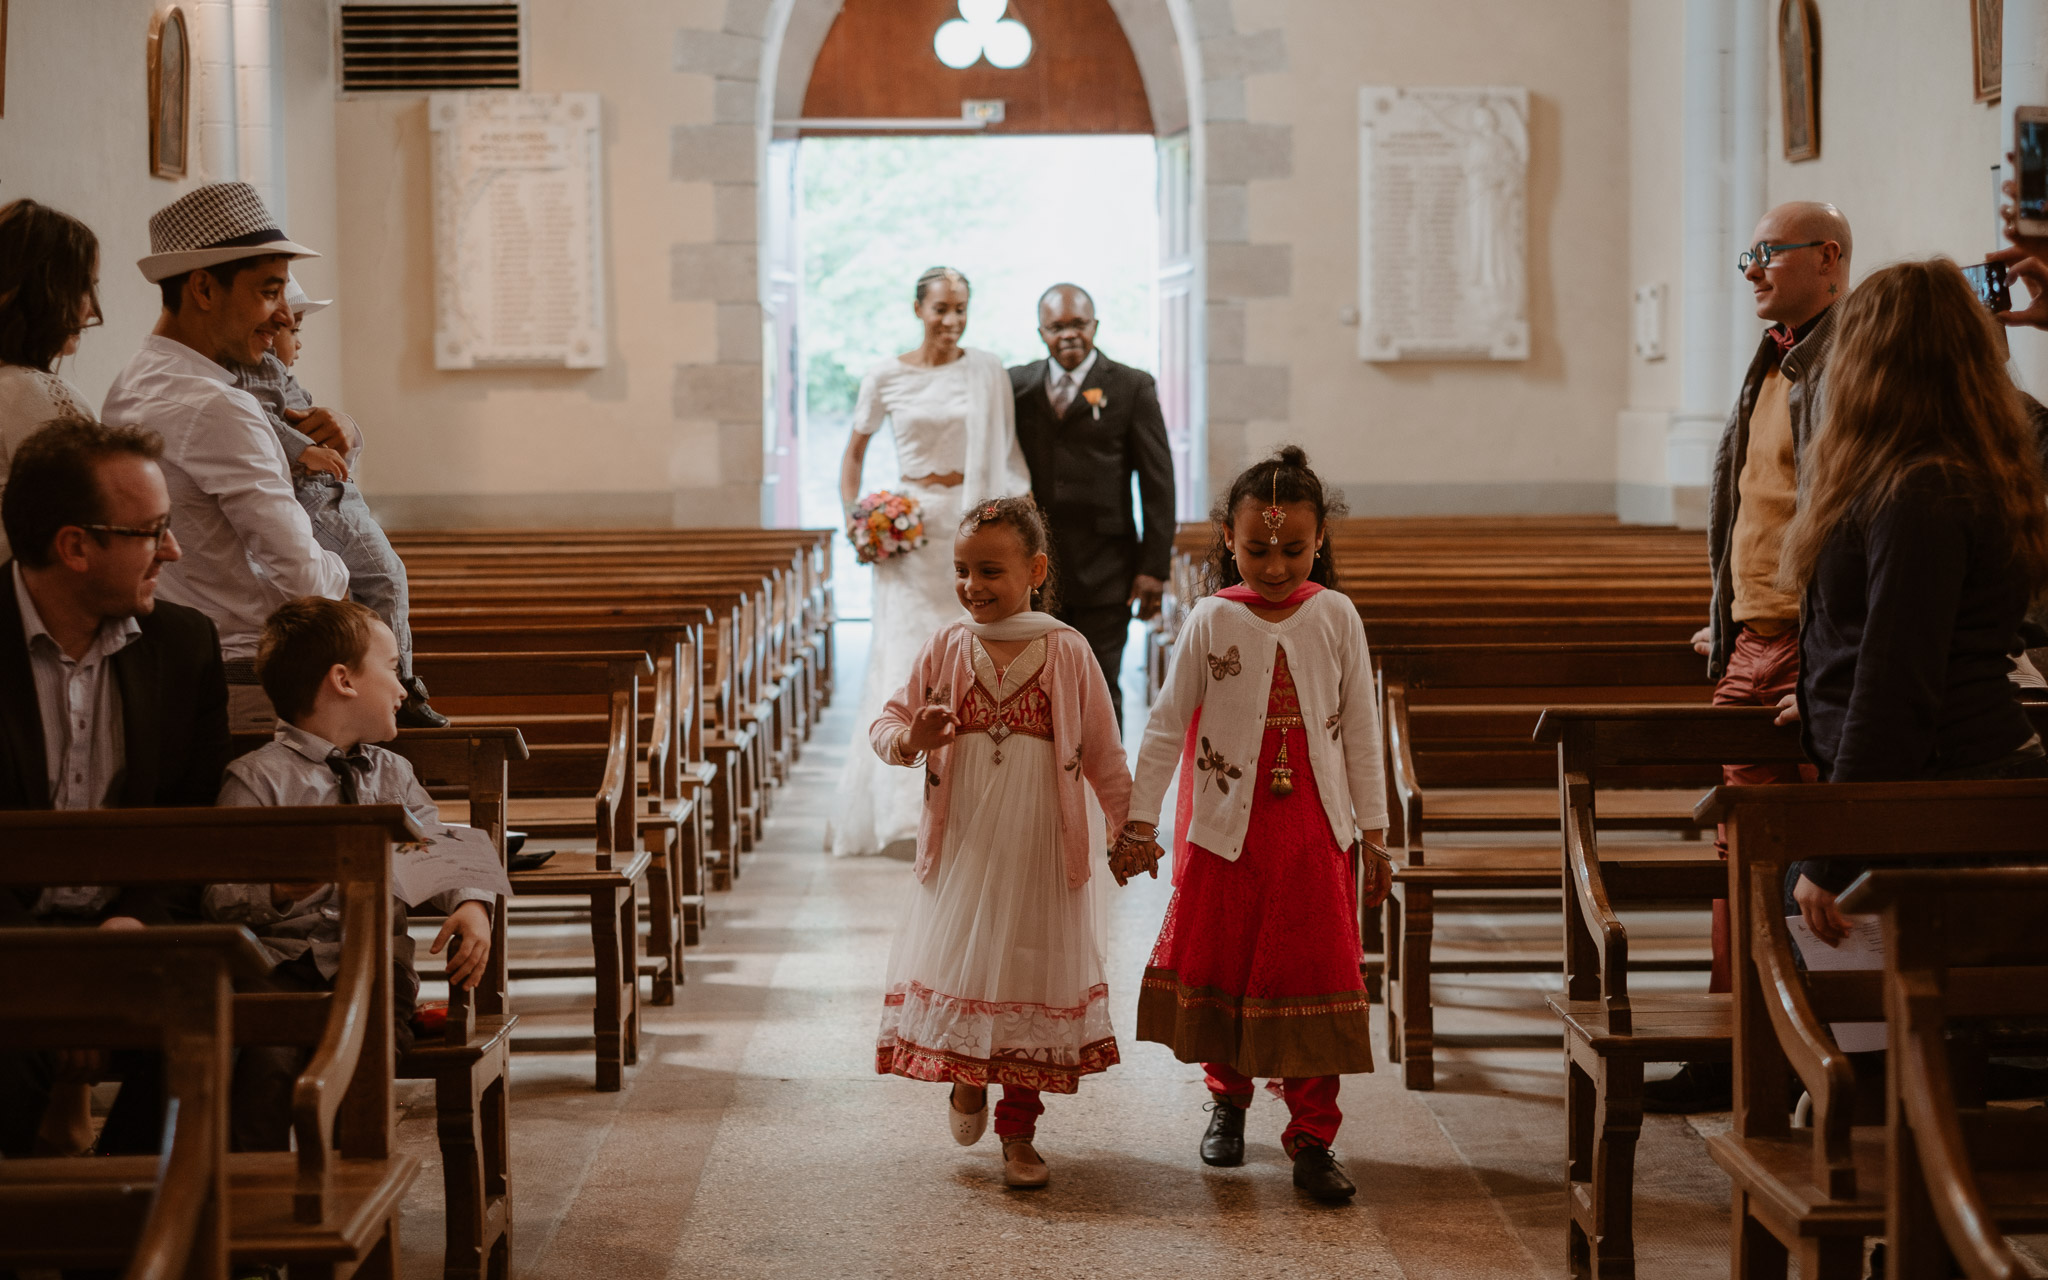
(884, 524)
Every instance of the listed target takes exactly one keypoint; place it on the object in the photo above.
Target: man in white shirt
(248, 545)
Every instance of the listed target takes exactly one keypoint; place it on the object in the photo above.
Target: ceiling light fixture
(980, 32)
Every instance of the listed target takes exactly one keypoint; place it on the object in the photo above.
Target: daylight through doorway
(1015, 214)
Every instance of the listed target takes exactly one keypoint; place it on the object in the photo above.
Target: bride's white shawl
(995, 461)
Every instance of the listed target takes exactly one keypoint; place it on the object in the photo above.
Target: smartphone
(2030, 151)
(1988, 279)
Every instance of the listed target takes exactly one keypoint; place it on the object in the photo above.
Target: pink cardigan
(1084, 738)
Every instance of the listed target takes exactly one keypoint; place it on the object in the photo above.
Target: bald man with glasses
(1797, 267)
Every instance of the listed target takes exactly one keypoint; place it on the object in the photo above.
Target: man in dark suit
(107, 699)
(1086, 424)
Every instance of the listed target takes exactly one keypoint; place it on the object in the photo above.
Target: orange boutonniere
(1096, 399)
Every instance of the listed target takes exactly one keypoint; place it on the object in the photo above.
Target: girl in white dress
(996, 975)
(49, 295)
(953, 417)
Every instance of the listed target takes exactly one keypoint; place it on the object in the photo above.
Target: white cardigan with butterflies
(1223, 664)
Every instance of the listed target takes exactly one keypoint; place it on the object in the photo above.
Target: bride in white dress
(953, 418)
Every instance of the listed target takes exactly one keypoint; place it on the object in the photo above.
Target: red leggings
(1311, 1103)
(1017, 1114)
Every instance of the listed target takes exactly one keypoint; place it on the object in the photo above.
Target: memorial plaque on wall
(1443, 217)
(518, 231)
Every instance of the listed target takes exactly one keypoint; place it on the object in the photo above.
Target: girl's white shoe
(967, 1129)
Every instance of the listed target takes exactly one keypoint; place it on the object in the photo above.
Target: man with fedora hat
(222, 263)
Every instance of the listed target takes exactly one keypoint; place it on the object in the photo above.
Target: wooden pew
(168, 990)
(1960, 944)
(470, 1062)
(590, 788)
(678, 777)
(329, 1209)
(1458, 725)
(738, 708)
(1610, 1033)
(1817, 1193)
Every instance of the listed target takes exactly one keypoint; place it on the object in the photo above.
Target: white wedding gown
(931, 413)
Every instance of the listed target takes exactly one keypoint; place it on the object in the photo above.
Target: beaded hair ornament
(1273, 515)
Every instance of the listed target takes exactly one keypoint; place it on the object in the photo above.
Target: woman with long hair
(49, 295)
(952, 415)
(1920, 541)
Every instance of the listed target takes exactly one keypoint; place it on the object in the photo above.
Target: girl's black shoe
(1317, 1172)
(1223, 1144)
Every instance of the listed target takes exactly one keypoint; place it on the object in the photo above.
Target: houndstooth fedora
(219, 222)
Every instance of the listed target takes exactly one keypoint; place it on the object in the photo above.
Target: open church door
(781, 356)
(1177, 320)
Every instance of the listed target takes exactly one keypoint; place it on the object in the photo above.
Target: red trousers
(1017, 1114)
(1761, 670)
(1311, 1103)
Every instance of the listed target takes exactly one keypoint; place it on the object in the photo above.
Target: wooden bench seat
(1463, 759)
(1962, 1173)
(1816, 1194)
(170, 990)
(601, 776)
(330, 1207)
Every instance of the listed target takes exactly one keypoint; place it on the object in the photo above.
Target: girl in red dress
(1270, 713)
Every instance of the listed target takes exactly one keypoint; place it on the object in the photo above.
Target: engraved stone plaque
(1442, 211)
(518, 231)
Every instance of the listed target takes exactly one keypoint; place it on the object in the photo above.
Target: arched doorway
(1098, 66)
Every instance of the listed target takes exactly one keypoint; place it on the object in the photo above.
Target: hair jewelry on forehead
(1273, 515)
(988, 513)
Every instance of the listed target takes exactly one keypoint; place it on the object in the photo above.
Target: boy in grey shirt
(331, 670)
(342, 521)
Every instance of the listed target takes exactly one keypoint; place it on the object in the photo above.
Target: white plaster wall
(76, 137)
(590, 446)
(1656, 166)
(1529, 435)
(1905, 152)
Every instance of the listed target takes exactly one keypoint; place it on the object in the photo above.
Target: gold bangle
(1376, 850)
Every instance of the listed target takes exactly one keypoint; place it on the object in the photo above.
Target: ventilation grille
(416, 47)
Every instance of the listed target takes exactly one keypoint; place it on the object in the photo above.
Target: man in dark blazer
(1086, 424)
(108, 698)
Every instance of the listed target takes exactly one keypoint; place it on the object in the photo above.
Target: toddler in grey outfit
(342, 521)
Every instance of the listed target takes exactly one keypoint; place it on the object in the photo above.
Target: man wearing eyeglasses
(108, 698)
(1086, 425)
(1797, 267)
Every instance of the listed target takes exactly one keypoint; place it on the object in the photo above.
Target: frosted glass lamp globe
(958, 44)
(982, 12)
(1007, 44)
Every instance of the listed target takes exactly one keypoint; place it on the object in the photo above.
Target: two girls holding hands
(1269, 712)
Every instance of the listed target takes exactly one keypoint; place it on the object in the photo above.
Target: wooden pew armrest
(1808, 1044)
(317, 1094)
(1596, 924)
(1406, 779)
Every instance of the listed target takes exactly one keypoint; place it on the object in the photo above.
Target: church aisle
(754, 1140)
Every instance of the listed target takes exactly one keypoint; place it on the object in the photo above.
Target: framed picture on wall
(1799, 77)
(1987, 47)
(170, 92)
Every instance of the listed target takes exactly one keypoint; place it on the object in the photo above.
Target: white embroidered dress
(958, 417)
(997, 971)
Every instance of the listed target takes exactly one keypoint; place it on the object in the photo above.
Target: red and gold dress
(997, 972)
(1257, 965)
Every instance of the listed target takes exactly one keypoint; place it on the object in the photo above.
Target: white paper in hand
(448, 858)
(1862, 949)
